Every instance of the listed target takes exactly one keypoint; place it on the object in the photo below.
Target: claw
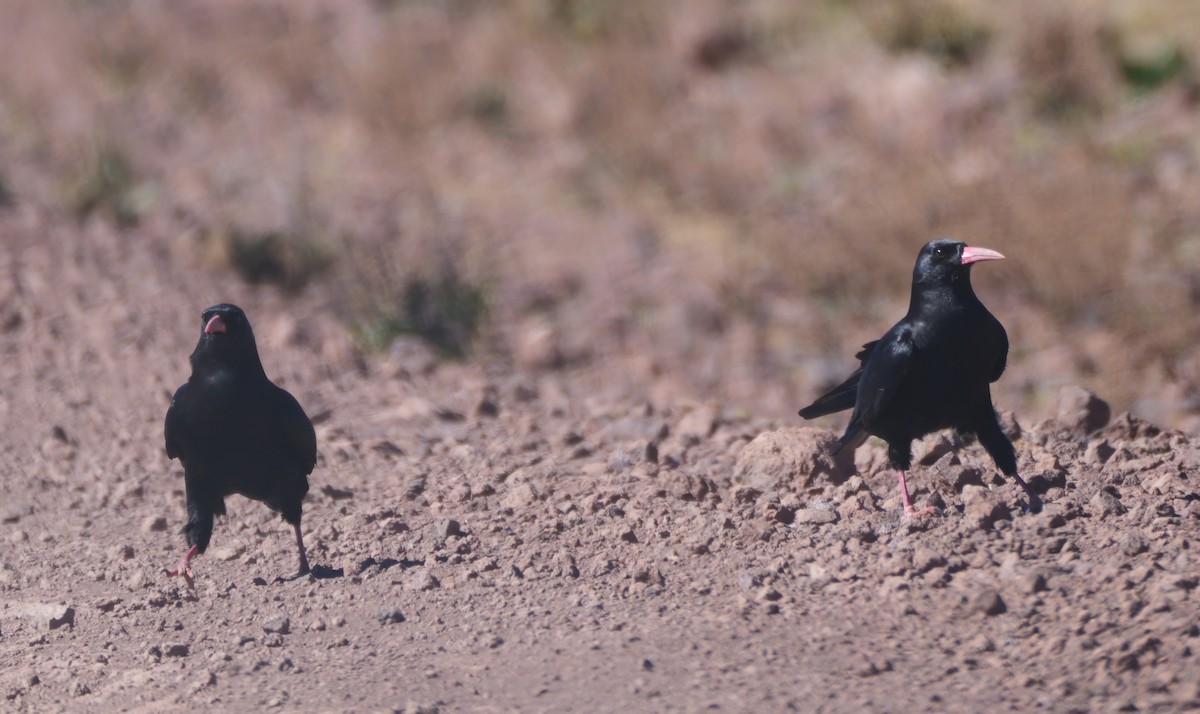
(185, 568)
(911, 512)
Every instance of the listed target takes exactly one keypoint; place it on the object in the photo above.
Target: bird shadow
(318, 572)
(404, 563)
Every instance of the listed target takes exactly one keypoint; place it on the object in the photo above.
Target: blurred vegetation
(445, 309)
(943, 30)
(785, 159)
(105, 182)
(290, 261)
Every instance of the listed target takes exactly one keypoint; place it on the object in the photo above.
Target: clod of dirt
(815, 516)
(984, 508)
(1104, 504)
(154, 524)
(697, 425)
(277, 623)
(792, 459)
(989, 603)
(925, 559)
(520, 495)
(48, 615)
(445, 528)
(1082, 410)
(390, 616)
(426, 581)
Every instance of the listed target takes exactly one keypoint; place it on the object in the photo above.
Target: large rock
(792, 458)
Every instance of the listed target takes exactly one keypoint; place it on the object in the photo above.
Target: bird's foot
(185, 568)
(186, 571)
(910, 512)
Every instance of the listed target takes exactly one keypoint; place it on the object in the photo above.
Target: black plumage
(932, 370)
(236, 432)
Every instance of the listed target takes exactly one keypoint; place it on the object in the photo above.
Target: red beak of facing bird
(216, 324)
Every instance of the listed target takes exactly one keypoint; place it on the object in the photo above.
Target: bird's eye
(940, 251)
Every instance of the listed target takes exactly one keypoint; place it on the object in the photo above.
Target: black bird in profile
(932, 370)
(234, 431)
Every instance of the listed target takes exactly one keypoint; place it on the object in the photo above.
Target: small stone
(1033, 582)
(815, 516)
(317, 625)
(1132, 543)
(154, 524)
(273, 639)
(446, 527)
(390, 616)
(792, 458)
(125, 552)
(984, 508)
(108, 604)
(519, 496)
(50, 616)
(697, 425)
(277, 623)
(1105, 504)
(426, 581)
(489, 404)
(1098, 452)
(926, 559)
(178, 649)
(206, 679)
(989, 603)
(1082, 410)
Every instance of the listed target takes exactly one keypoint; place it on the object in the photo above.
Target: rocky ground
(490, 539)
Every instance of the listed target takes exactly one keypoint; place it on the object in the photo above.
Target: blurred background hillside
(697, 199)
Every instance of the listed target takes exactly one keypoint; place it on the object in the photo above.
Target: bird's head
(947, 262)
(225, 336)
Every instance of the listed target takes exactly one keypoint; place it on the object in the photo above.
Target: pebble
(1082, 410)
(273, 639)
(47, 615)
(277, 623)
(154, 524)
(390, 616)
(446, 527)
(989, 603)
(815, 516)
(925, 559)
(984, 508)
(1105, 504)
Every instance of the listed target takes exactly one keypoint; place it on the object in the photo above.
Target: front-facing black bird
(236, 432)
(932, 370)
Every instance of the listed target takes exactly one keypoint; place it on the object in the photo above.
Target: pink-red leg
(185, 567)
(909, 511)
(304, 569)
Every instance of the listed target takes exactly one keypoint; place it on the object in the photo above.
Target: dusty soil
(492, 539)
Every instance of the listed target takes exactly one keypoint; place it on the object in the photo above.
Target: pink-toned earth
(491, 538)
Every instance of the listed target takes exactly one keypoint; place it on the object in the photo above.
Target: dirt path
(498, 541)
